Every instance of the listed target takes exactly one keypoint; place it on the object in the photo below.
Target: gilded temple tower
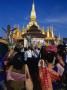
(33, 17)
(34, 31)
(33, 13)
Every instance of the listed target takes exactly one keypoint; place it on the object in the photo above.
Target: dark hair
(25, 49)
(50, 57)
(30, 48)
(18, 61)
(61, 48)
(17, 48)
(61, 51)
(43, 52)
(61, 54)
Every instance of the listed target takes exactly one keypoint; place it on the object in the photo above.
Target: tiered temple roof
(34, 30)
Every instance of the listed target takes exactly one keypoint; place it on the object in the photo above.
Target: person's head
(61, 48)
(18, 61)
(42, 63)
(30, 48)
(43, 52)
(50, 57)
(60, 55)
(25, 49)
(43, 49)
(18, 47)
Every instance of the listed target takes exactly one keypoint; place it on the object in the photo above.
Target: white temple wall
(35, 41)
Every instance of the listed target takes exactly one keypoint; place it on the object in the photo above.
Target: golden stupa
(35, 31)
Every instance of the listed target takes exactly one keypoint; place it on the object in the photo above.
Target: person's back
(17, 71)
(17, 60)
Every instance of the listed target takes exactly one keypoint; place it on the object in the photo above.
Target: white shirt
(36, 53)
(29, 54)
(60, 69)
(66, 58)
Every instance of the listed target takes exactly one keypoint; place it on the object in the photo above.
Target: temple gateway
(34, 35)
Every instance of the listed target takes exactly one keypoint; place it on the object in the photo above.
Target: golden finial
(52, 32)
(33, 13)
(48, 32)
(23, 30)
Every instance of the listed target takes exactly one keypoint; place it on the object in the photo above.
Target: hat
(51, 48)
(3, 41)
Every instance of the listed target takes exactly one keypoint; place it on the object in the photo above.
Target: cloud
(27, 18)
(60, 20)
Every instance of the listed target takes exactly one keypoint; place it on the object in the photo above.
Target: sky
(49, 13)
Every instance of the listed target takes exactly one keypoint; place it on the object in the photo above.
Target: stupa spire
(52, 32)
(33, 13)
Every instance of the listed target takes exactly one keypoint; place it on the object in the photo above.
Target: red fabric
(52, 48)
(54, 75)
(45, 79)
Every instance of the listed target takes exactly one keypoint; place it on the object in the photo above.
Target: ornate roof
(35, 32)
(34, 28)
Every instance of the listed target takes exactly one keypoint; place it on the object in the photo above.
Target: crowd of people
(33, 68)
